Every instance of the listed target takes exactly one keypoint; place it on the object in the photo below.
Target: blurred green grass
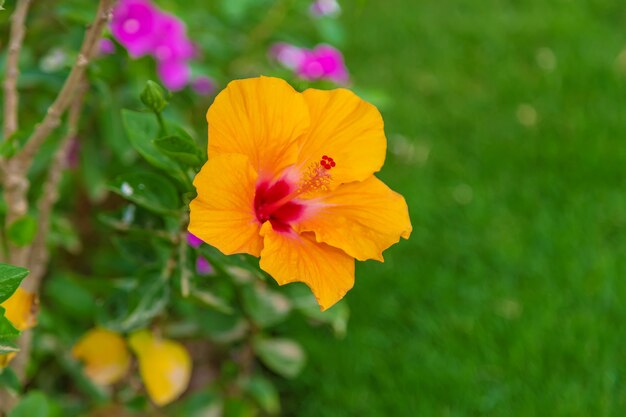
(508, 300)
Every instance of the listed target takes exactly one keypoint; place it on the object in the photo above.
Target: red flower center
(274, 202)
(270, 205)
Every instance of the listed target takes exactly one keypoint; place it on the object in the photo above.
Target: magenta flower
(193, 240)
(73, 153)
(174, 74)
(170, 40)
(290, 56)
(133, 25)
(203, 86)
(142, 29)
(322, 62)
(331, 61)
(325, 8)
(203, 267)
(106, 47)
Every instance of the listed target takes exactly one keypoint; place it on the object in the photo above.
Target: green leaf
(142, 129)
(67, 297)
(180, 148)
(9, 380)
(238, 407)
(283, 356)
(110, 124)
(266, 307)
(7, 345)
(22, 231)
(7, 331)
(13, 143)
(33, 404)
(134, 308)
(149, 190)
(211, 300)
(264, 393)
(303, 301)
(202, 403)
(10, 278)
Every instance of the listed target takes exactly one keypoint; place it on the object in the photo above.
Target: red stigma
(327, 162)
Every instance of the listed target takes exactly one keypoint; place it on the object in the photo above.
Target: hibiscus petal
(362, 218)
(261, 118)
(347, 129)
(104, 354)
(222, 214)
(289, 257)
(164, 365)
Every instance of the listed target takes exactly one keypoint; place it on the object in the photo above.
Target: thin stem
(15, 179)
(50, 195)
(182, 262)
(11, 98)
(68, 92)
(159, 117)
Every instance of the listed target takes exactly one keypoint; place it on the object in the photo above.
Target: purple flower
(193, 240)
(290, 56)
(143, 29)
(73, 153)
(174, 74)
(133, 25)
(203, 267)
(331, 61)
(322, 62)
(170, 40)
(106, 47)
(325, 8)
(203, 86)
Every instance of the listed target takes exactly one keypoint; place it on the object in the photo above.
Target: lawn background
(507, 119)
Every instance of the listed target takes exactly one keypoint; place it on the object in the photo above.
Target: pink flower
(174, 74)
(203, 86)
(143, 29)
(106, 47)
(193, 240)
(331, 61)
(322, 62)
(203, 267)
(170, 40)
(325, 8)
(73, 153)
(290, 56)
(133, 25)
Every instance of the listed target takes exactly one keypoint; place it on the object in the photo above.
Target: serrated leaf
(22, 231)
(142, 130)
(10, 278)
(180, 148)
(149, 190)
(33, 404)
(283, 356)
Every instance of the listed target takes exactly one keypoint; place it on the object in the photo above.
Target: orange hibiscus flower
(290, 178)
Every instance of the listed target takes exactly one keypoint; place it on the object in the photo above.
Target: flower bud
(152, 97)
